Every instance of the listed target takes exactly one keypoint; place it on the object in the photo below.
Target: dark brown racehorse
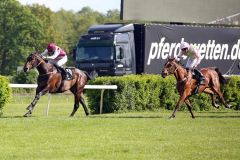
(50, 81)
(186, 87)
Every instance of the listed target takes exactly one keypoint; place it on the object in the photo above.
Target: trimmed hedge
(232, 92)
(5, 92)
(24, 78)
(151, 92)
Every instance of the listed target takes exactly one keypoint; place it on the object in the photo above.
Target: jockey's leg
(60, 63)
(200, 75)
(189, 67)
(189, 74)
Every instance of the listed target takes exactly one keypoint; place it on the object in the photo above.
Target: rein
(40, 63)
(45, 74)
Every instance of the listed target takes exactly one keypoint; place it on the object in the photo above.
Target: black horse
(51, 81)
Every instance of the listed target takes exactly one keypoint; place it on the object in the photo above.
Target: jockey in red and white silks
(55, 54)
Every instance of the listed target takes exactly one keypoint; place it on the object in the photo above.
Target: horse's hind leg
(219, 93)
(78, 98)
(211, 93)
(76, 105)
(84, 105)
(189, 107)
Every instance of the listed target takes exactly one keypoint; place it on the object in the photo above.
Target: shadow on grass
(6, 117)
(137, 117)
(217, 116)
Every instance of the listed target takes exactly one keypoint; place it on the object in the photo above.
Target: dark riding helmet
(51, 47)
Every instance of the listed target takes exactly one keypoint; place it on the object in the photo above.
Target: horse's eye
(29, 58)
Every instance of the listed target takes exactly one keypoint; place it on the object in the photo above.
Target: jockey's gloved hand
(43, 57)
(177, 58)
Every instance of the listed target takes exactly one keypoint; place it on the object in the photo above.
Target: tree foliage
(26, 28)
(20, 33)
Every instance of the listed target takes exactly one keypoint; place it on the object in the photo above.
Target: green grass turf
(126, 136)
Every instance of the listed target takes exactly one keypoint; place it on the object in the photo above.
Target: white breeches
(191, 63)
(59, 62)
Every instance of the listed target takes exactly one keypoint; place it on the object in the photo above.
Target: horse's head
(169, 67)
(33, 61)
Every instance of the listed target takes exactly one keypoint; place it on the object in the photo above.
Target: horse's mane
(180, 63)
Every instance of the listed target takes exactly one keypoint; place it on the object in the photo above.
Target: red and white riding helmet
(51, 47)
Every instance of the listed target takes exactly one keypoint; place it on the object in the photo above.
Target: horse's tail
(222, 79)
(90, 76)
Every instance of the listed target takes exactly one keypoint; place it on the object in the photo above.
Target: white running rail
(101, 87)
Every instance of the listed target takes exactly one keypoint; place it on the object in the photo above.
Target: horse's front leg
(189, 107)
(180, 102)
(34, 102)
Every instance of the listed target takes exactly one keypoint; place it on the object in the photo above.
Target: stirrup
(202, 81)
(67, 76)
(195, 91)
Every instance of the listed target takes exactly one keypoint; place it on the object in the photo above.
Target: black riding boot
(190, 73)
(201, 78)
(64, 73)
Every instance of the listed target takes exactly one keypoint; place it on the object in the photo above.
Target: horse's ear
(168, 57)
(36, 50)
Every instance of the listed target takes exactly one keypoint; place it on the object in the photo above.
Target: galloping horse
(50, 81)
(185, 88)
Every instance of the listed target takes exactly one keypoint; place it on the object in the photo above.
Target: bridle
(173, 67)
(37, 57)
(40, 63)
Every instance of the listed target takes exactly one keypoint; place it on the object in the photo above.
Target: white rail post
(101, 101)
(48, 105)
(102, 87)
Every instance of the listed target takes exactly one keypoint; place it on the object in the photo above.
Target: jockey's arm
(198, 57)
(180, 54)
(55, 54)
(44, 53)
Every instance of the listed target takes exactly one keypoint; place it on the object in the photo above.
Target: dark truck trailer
(119, 49)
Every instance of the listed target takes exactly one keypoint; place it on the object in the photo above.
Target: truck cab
(107, 50)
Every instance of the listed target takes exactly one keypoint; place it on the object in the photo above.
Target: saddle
(67, 73)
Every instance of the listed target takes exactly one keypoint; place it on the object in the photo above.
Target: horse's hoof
(228, 106)
(26, 115)
(216, 106)
(171, 117)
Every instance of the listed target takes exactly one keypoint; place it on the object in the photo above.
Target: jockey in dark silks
(56, 56)
(194, 59)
